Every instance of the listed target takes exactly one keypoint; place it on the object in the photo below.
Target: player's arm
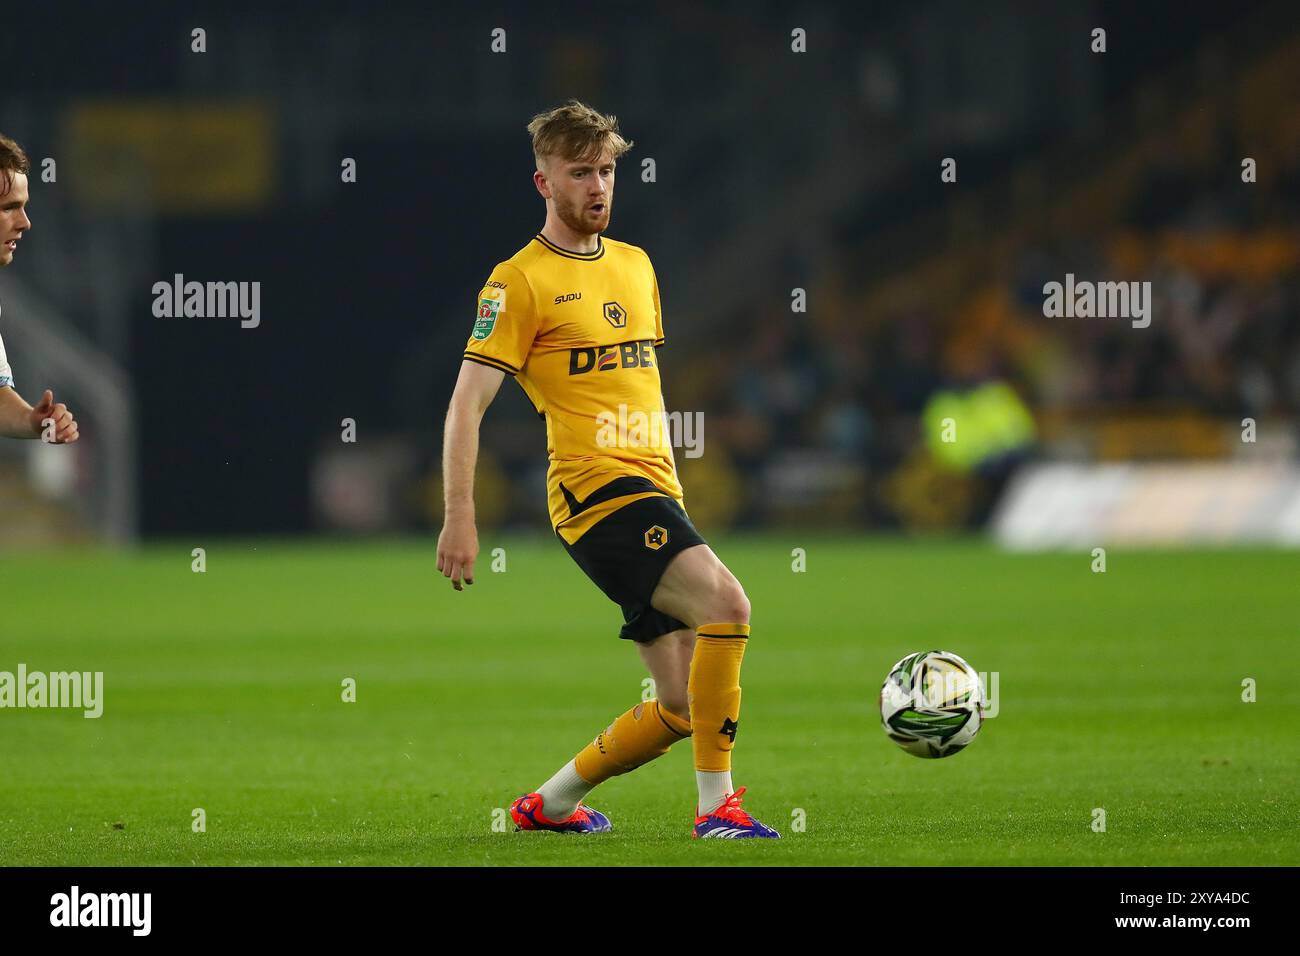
(475, 388)
(20, 420)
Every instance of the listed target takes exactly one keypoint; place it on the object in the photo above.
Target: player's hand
(47, 410)
(457, 549)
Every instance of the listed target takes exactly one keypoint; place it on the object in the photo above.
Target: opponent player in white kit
(17, 418)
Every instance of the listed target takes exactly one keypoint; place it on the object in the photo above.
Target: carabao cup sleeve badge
(488, 308)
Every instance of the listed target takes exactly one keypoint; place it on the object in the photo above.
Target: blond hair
(12, 161)
(575, 132)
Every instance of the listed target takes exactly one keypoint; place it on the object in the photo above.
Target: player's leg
(668, 659)
(697, 588)
(625, 554)
(637, 736)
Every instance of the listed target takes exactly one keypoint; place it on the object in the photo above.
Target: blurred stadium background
(775, 172)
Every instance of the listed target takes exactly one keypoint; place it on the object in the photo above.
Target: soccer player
(17, 418)
(574, 317)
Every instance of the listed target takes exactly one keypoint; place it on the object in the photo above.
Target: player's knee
(731, 605)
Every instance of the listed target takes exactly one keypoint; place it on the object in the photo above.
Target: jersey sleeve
(505, 323)
(659, 312)
(6, 373)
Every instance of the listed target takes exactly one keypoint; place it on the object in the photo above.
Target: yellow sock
(713, 690)
(634, 738)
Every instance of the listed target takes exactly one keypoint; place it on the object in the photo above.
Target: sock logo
(729, 727)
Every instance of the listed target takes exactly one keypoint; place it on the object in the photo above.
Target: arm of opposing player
(20, 420)
(476, 387)
(15, 415)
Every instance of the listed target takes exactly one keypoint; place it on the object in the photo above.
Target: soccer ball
(932, 704)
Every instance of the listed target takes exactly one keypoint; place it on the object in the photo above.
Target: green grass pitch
(1120, 691)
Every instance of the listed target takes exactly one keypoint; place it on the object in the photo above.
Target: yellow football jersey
(580, 333)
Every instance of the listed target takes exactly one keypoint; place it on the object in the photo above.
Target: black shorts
(625, 554)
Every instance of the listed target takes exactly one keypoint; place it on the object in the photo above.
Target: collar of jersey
(600, 249)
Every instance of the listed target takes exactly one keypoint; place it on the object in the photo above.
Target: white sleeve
(6, 373)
